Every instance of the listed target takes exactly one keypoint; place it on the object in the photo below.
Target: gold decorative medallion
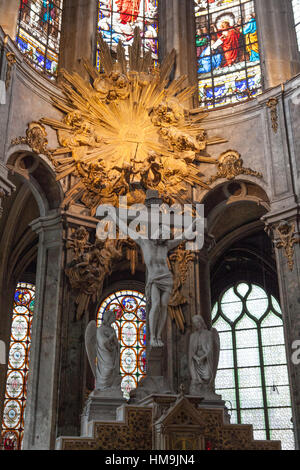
(230, 165)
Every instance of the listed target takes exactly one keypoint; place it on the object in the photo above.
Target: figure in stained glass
(227, 51)
(118, 19)
(38, 34)
(250, 31)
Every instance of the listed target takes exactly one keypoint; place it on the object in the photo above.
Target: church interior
(146, 344)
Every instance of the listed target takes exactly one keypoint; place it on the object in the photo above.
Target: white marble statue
(204, 352)
(103, 351)
(159, 283)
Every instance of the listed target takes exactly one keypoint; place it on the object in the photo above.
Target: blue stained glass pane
(38, 33)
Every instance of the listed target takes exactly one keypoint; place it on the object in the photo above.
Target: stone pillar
(284, 228)
(78, 35)
(177, 29)
(9, 11)
(6, 187)
(277, 40)
(41, 406)
(202, 278)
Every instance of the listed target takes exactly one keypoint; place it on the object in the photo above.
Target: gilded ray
(128, 129)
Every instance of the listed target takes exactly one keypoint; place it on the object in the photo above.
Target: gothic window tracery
(252, 375)
(117, 20)
(18, 363)
(130, 327)
(38, 33)
(228, 56)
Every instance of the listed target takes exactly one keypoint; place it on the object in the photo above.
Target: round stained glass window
(130, 327)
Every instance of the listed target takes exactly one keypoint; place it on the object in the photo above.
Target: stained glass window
(228, 57)
(253, 375)
(296, 7)
(117, 20)
(15, 393)
(130, 327)
(38, 33)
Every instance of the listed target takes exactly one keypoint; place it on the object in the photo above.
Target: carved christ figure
(159, 283)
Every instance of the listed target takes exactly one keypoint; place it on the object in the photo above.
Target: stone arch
(36, 171)
(223, 204)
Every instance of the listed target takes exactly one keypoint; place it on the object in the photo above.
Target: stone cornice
(230, 115)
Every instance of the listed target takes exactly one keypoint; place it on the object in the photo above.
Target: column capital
(275, 217)
(283, 227)
(49, 222)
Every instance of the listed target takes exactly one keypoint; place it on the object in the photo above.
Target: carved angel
(103, 351)
(204, 352)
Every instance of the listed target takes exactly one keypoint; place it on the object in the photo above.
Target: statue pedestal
(161, 404)
(100, 407)
(155, 380)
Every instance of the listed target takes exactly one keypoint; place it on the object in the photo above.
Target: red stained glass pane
(15, 393)
(131, 330)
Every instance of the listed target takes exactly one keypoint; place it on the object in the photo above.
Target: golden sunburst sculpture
(128, 130)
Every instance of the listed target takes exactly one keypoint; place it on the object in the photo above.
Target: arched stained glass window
(228, 57)
(19, 349)
(131, 331)
(296, 7)
(253, 376)
(118, 18)
(38, 33)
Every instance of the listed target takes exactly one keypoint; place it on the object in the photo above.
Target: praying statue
(103, 352)
(204, 352)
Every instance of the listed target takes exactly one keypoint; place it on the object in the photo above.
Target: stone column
(284, 228)
(41, 406)
(202, 284)
(9, 11)
(6, 187)
(277, 40)
(78, 35)
(177, 29)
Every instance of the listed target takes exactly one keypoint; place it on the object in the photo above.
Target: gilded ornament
(287, 241)
(179, 261)
(230, 166)
(272, 104)
(90, 265)
(128, 131)
(36, 139)
(11, 60)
